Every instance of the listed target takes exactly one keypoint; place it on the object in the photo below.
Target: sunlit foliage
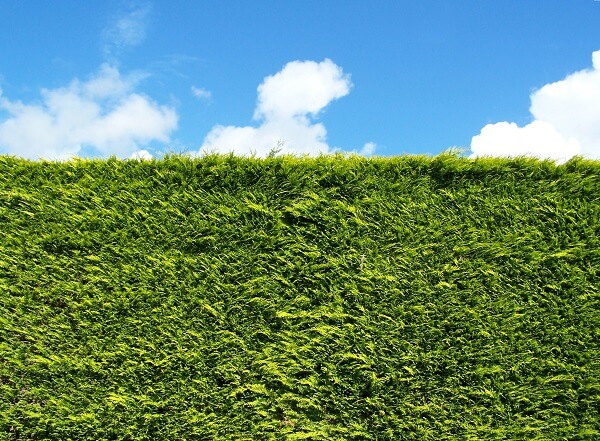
(333, 298)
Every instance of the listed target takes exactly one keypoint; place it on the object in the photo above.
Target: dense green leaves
(406, 298)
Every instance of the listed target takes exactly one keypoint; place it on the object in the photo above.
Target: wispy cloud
(126, 30)
(201, 93)
(566, 122)
(103, 113)
(287, 104)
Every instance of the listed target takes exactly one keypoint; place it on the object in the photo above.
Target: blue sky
(98, 78)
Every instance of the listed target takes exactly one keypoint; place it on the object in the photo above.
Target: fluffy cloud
(103, 113)
(301, 88)
(141, 155)
(566, 122)
(368, 149)
(287, 103)
(539, 139)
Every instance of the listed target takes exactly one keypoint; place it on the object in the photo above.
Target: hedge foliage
(329, 298)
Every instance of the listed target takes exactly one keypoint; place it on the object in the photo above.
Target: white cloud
(200, 92)
(368, 149)
(566, 122)
(539, 139)
(296, 136)
(103, 113)
(301, 88)
(286, 103)
(126, 31)
(141, 155)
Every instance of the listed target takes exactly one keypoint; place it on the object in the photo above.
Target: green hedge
(333, 298)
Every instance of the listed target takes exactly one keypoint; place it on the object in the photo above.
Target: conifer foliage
(329, 298)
